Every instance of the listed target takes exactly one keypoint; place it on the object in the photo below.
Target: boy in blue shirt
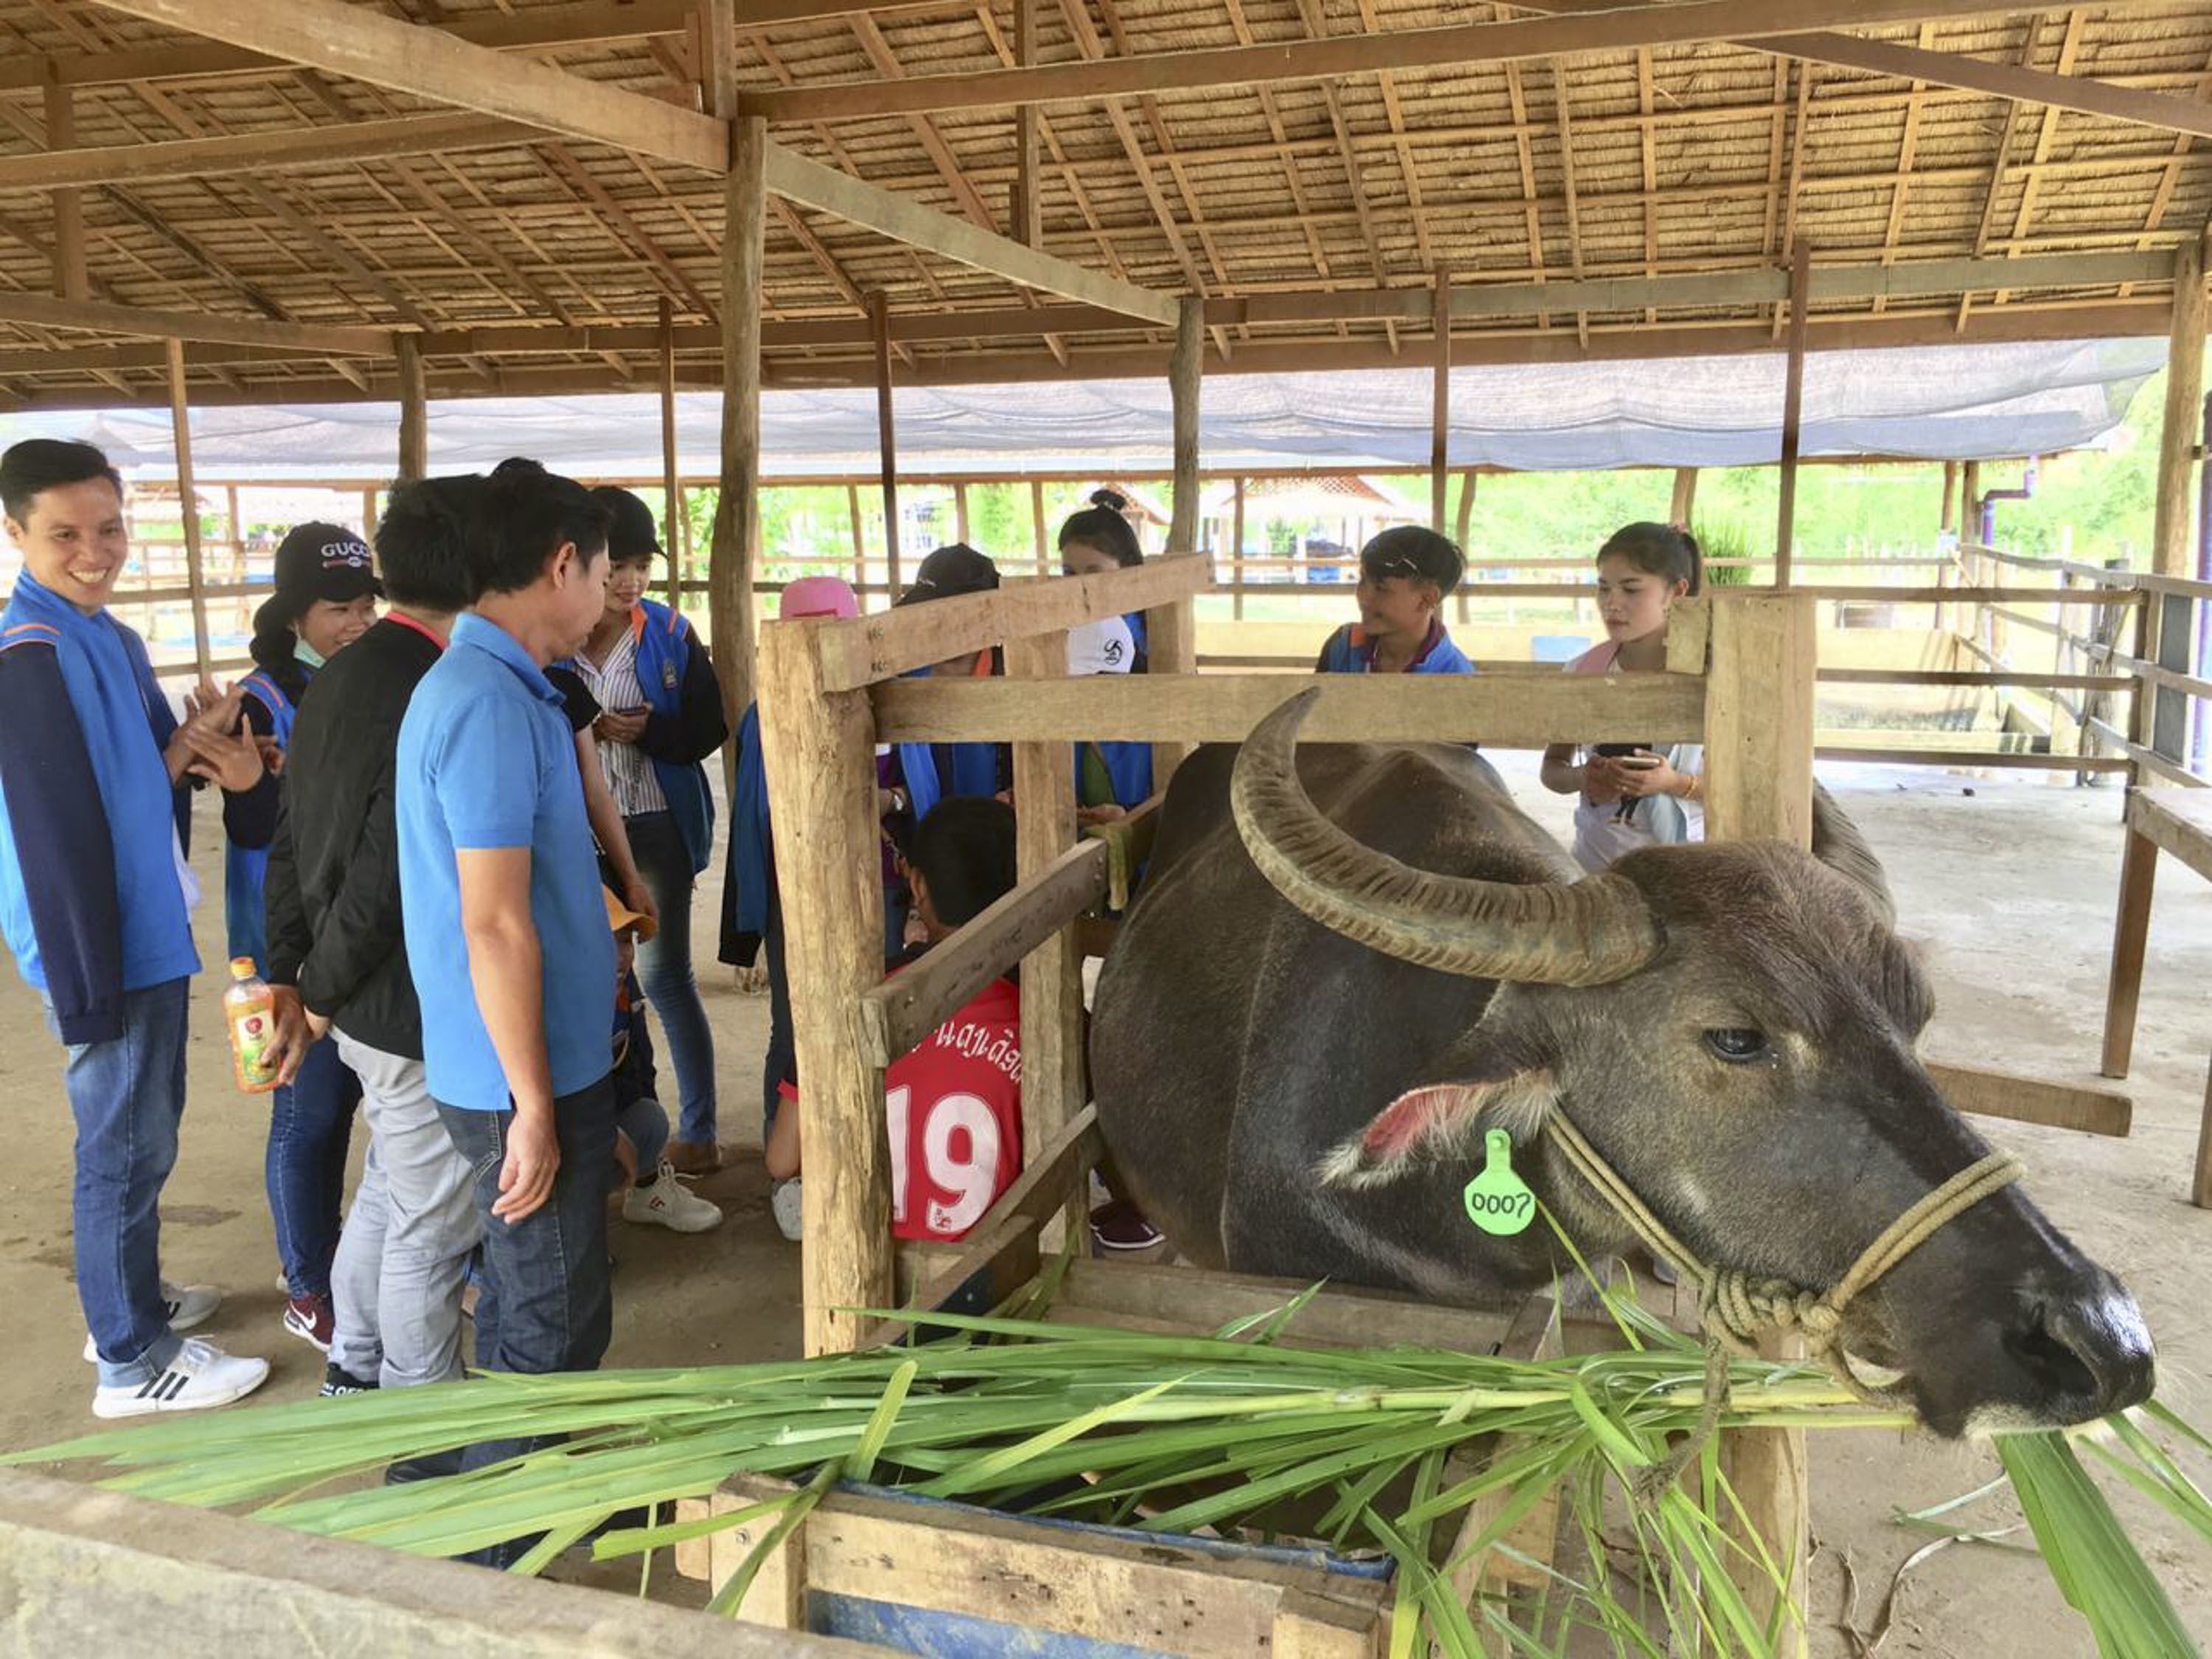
(96, 899)
(507, 934)
(1404, 576)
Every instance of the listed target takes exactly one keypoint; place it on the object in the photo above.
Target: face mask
(305, 654)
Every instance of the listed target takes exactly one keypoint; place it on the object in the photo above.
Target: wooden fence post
(1759, 786)
(1052, 974)
(820, 746)
(180, 424)
(1171, 630)
(735, 547)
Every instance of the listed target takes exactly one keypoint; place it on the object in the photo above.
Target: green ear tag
(1497, 1200)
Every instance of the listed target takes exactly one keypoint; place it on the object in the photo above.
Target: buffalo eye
(1738, 1045)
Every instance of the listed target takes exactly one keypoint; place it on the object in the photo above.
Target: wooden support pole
(1462, 531)
(2173, 551)
(1172, 629)
(1052, 974)
(414, 409)
(1026, 222)
(859, 538)
(1949, 519)
(1759, 786)
(188, 507)
(960, 509)
(1041, 541)
(879, 315)
(819, 745)
(71, 279)
(1684, 505)
(736, 545)
(671, 488)
(1793, 404)
(1237, 550)
(1440, 406)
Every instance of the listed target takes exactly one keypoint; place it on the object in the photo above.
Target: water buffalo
(1294, 1059)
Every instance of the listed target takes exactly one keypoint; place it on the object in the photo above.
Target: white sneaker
(183, 1306)
(667, 1204)
(783, 1203)
(201, 1376)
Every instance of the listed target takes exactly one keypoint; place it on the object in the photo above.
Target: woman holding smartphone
(1631, 795)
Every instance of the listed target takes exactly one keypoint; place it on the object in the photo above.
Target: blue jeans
(310, 1129)
(664, 967)
(127, 1095)
(646, 1123)
(781, 1064)
(544, 1304)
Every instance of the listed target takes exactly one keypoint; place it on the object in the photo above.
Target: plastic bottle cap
(242, 968)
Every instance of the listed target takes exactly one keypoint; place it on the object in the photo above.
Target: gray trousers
(396, 1286)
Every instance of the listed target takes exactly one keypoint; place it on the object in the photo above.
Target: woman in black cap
(325, 599)
(660, 717)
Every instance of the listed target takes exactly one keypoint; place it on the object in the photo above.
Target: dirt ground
(2009, 882)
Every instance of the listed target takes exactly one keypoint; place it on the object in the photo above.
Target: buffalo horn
(1583, 932)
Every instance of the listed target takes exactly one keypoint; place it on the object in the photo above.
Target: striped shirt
(630, 777)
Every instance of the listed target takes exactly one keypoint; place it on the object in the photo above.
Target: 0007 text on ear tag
(1497, 1200)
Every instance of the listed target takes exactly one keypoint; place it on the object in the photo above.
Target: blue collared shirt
(487, 761)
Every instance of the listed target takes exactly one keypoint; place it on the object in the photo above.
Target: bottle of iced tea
(249, 1010)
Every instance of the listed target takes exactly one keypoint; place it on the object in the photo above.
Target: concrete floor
(2009, 881)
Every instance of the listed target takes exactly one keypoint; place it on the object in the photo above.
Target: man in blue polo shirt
(507, 933)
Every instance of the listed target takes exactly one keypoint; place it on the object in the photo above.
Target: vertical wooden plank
(879, 316)
(1684, 503)
(1948, 519)
(2172, 546)
(1042, 542)
(2130, 937)
(1463, 531)
(414, 409)
(2200, 1182)
(369, 513)
(777, 1595)
(819, 747)
(731, 555)
(1052, 974)
(671, 491)
(233, 516)
(1793, 403)
(1440, 403)
(718, 57)
(1025, 219)
(1759, 785)
(71, 279)
(1758, 718)
(1236, 550)
(960, 509)
(180, 424)
(1172, 629)
(860, 544)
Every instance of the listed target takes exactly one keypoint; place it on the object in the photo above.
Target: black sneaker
(1121, 1225)
(337, 1381)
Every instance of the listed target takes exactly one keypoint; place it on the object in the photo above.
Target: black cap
(632, 532)
(316, 562)
(951, 571)
(1413, 551)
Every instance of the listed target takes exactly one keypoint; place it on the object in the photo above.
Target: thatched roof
(1281, 202)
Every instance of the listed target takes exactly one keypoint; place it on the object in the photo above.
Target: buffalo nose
(2081, 1339)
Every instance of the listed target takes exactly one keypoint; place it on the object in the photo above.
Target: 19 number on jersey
(968, 1177)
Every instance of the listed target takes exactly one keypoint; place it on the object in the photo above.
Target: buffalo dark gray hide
(1294, 1068)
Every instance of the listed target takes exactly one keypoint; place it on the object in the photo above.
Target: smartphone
(1640, 762)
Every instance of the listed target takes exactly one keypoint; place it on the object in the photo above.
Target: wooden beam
(673, 527)
(1757, 717)
(365, 45)
(1521, 711)
(2174, 551)
(905, 220)
(414, 412)
(1683, 506)
(95, 316)
(1793, 406)
(1186, 375)
(2088, 1108)
(71, 281)
(2084, 95)
(819, 744)
(180, 426)
(581, 22)
(886, 438)
(1689, 22)
(736, 543)
(718, 57)
(1026, 214)
(1440, 404)
(261, 152)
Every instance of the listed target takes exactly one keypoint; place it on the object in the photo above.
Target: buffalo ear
(1437, 1121)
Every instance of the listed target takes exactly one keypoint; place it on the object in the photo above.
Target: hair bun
(1112, 502)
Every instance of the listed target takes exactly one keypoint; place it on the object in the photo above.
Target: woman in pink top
(1631, 796)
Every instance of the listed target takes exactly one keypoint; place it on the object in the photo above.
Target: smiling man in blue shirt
(507, 933)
